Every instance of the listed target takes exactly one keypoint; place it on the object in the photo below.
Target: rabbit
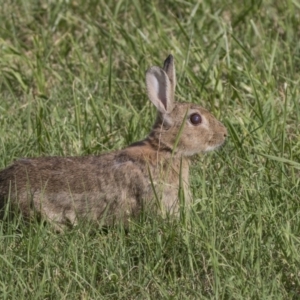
(116, 186)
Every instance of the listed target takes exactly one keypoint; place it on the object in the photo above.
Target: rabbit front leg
(174, 186)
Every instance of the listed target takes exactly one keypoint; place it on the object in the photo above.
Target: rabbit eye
(195, 119)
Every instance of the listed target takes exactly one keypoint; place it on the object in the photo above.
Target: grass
(72, 83)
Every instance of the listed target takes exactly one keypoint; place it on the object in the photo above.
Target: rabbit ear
(169, 68)
(159, 89)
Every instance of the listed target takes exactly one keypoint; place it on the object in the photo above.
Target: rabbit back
(61, 189)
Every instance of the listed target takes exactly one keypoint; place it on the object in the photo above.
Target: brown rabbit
(117, 185)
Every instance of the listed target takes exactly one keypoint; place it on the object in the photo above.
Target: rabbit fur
(118, 185)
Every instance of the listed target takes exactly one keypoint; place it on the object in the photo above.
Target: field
(72, 83)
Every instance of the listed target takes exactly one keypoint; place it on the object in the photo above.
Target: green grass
(72, 83)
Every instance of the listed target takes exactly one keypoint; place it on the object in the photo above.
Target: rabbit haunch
(119, 184)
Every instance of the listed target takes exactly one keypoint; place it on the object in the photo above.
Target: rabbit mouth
(215, 146)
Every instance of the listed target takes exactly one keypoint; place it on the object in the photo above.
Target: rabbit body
(114, 185)
(118, 185)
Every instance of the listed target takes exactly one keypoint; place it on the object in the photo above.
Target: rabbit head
(183, 128)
